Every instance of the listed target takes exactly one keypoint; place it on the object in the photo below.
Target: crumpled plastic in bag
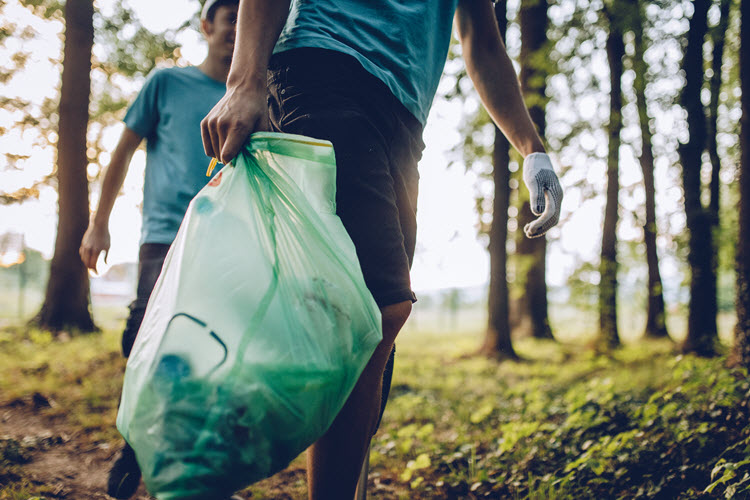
(257, 329)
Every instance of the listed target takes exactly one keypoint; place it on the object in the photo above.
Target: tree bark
(67, 300)
(717, 37)
(497, 341)
(533, 310)
(702, 337)
(742, 328)
(609, 337)
(656, 326)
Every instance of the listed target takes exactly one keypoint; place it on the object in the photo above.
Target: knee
(394, 316)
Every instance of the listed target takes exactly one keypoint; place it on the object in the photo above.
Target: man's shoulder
(191, 76)
(181, 70)
(173, 72)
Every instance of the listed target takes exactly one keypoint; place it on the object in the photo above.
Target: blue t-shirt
(167, 113)
(404, 43)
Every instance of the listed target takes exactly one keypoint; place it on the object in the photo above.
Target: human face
(220, 33)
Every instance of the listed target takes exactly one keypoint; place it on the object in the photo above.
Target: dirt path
(62, 462)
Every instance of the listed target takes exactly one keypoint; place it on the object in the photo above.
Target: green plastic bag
(256, 331)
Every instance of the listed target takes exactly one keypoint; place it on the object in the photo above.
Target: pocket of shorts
(275, 76)
(276, 80)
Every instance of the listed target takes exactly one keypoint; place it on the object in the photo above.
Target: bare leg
(335, 460)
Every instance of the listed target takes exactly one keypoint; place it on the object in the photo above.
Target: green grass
(564, 423)
(82, 376)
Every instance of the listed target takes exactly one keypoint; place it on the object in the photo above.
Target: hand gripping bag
(257, 329)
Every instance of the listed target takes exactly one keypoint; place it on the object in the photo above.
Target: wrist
(100, 222)
(247, 82)
(534, 155)
(535, 146)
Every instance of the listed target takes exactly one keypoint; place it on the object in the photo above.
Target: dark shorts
(150, 261)
(378, 142)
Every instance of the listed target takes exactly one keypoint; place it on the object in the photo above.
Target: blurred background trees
(639, 104)
(532, 314)
(701, 332)
(497, 340)
(742, 329)
(656, 325)
(670, 90)
(614, 19)
(101, 54)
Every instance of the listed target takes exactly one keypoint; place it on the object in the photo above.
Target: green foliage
(12, 455)
(732, 477)
(583, 285)
(34, 269)
(129, 49)
(80, 375)
(726, 240)
(46, 9)
(640, 424)
(124, 51)
(564, 424)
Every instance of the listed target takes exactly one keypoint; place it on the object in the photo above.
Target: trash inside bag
(257, 329)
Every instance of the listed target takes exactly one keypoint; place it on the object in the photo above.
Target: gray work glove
(545, 194)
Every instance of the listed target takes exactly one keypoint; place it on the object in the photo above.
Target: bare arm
(493, 75)
(96, 238)
(243, 109)
(495, 79)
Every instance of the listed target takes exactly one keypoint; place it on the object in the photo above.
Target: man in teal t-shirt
(167, 113)
(363, 75)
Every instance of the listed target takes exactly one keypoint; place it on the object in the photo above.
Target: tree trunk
(497, 342)
(533, 252)
(702, 335)
(609, 337)
(67, 300)
(656, 326)
(742, 329)
(717, 37)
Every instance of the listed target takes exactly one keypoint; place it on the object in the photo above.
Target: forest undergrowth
(564, 423)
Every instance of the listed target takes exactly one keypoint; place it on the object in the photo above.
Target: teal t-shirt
(167, 113)
(404, 43)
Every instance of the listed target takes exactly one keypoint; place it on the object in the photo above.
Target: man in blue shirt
(363, 75)
(167, 113)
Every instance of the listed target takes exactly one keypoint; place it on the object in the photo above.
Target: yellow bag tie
(211, 166)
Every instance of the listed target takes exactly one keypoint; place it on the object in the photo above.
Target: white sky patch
(448, 252)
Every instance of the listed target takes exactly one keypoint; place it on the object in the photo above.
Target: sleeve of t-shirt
(143, 113)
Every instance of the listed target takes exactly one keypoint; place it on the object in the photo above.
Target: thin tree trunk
(608, 335)
(742, 330)
(702, 337)
(497, 341)
(67, 299)
(717, 36)
(656, 326)
(533, 252)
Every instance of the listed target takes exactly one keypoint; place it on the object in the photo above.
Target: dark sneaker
(125, 475)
